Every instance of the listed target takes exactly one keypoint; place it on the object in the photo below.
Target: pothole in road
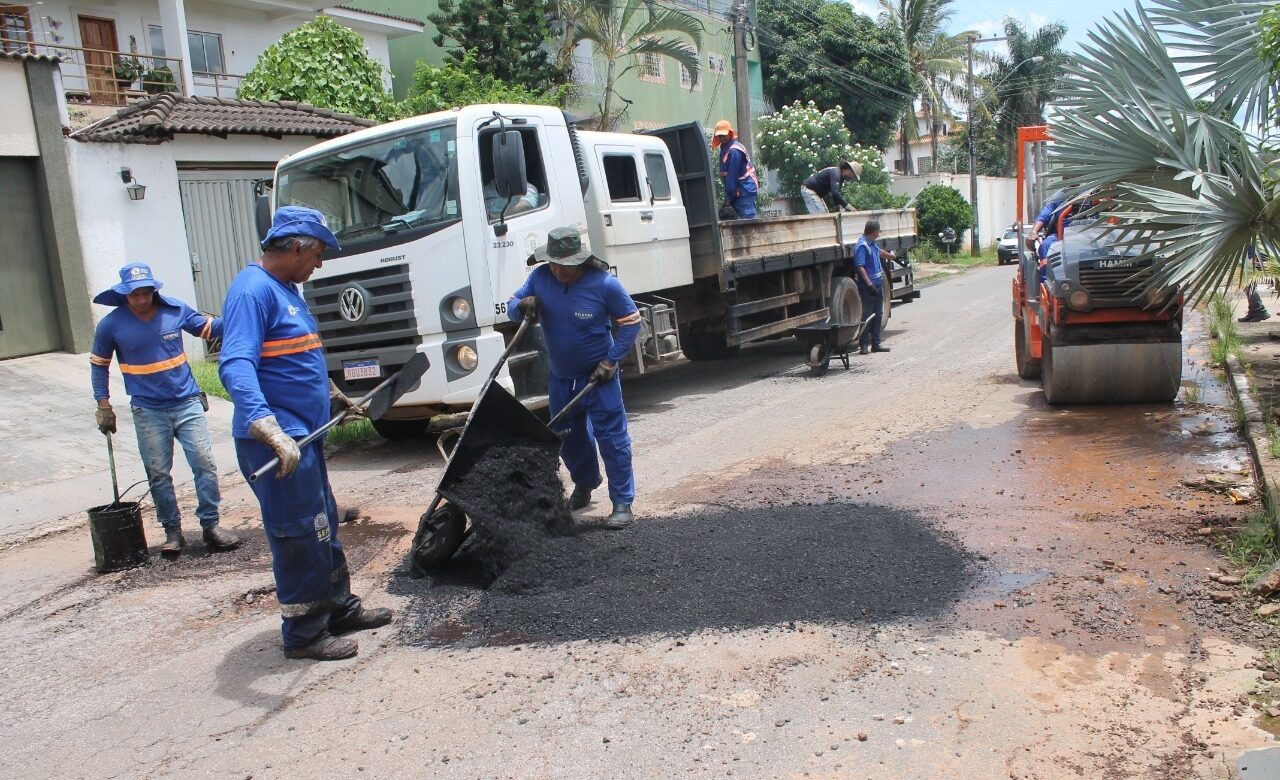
(723, 570)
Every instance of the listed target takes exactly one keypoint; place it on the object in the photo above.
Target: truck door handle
(646, 216)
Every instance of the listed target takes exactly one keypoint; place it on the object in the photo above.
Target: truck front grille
(1115, 286)
(389, 323)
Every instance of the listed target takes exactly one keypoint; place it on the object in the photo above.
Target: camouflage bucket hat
(563, 247)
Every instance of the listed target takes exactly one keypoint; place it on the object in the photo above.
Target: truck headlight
(460, 308)
(466, 357)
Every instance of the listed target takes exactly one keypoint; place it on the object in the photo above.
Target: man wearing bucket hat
(827, 183)
(145, 334)
(273, 367)
(579, 306)
(740, 183)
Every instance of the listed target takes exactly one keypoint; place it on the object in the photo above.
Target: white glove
(268, 431)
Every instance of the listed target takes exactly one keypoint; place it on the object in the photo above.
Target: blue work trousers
(599, 420)
(300, 518)
(157, 429)
(745, 205)
(872, 303)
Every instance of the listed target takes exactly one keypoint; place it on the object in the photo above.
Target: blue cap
(133, 276)
(300, 221)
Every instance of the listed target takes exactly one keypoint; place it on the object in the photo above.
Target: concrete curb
(1254, 429)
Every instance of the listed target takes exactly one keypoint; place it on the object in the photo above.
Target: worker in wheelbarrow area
(145, 334)
(273, 366)
(869, 275)
(579, 306)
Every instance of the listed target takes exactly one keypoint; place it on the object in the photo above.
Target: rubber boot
(620, 518)
(580, 498)
(879, 348)
(325, 648)
(219, 539)
(361, 620)
(1255, 316)
(174, 541)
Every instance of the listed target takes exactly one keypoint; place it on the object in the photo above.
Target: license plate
(361, 369)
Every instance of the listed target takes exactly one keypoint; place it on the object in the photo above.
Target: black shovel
(377, 402)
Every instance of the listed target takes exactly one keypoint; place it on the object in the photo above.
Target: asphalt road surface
(910, 569)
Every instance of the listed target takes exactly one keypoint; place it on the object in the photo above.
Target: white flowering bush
(801, 139)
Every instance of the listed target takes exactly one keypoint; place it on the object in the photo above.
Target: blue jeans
(157, 429)
(872, 298)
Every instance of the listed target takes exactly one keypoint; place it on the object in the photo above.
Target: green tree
(935, 59)
(1183, 182)
(324, 64)
(508, 40)
(1022, 83)
(626, 32)
(824, 51)
(801, 139)
(939, 207)
(439, 88)
(991, 148)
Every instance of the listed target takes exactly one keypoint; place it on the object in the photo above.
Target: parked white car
(1007, 249)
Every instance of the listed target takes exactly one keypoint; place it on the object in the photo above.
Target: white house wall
(997, 200)
(17, 126)
(235, 150)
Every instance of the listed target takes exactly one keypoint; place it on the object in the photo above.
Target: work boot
(620, 518)
(878, 348)
(325, 648)
(1255, 316)
(361, 620)
(219, 539)
(174, 541)
(580, 498)
(865, 350)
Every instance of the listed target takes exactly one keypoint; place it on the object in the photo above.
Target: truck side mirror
(509, 175)
(262, 215)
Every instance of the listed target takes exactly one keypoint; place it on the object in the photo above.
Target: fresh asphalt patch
(721, 570)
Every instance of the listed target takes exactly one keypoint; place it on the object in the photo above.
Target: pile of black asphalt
(726, 569)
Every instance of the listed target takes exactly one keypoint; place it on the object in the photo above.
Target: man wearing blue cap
(273, 366)
(145, 334)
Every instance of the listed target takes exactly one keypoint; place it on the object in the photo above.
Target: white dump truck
(438, 216)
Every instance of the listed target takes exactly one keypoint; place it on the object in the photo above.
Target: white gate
(217, 207)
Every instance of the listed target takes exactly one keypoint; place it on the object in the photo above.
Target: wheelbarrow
(496, 419)
(826, 339)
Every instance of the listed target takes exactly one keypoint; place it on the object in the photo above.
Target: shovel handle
(111, 459)
(572, 403)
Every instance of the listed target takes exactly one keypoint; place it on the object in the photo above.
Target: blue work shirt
(1048, 214)
(272, 361)
(577, 319)
(867, 255)
(152, 358)
(738, 172)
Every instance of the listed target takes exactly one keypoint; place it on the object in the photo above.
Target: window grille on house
(651, 67)
(15, 28)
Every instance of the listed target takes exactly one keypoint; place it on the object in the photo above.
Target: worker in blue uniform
(1047, 220)
(740, 182)
(145, 334)
(580, 305)
(868, 273)
(273, 366)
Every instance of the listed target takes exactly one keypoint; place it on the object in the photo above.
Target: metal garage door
(28, 318)
(218, 209)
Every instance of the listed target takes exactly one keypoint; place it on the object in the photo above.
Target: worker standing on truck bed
(827, 183)
(740, 183)
(273, 366)
(869, 274)
(145, 334)
(579, 305)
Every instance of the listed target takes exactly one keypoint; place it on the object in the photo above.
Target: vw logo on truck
(352, 304)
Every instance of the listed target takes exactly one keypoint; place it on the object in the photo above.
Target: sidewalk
(53, 465)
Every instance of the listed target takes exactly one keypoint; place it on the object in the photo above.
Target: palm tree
(625, 32)
(935, 59)
(1024, 82)
(1149, 113)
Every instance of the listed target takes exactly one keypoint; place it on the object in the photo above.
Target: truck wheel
(699, 345)
(1028, 368)
(400, 429)
(886, 294)
(846, 304)
(448, 529)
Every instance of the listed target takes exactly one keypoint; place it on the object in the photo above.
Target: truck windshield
(1093, 241)
(371, 190)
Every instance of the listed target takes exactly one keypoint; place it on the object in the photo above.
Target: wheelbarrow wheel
(447, 530)
(819, 359)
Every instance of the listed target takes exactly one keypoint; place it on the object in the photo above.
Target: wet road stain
(721, 570)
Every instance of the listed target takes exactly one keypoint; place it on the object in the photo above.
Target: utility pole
(973, 147)
(741, 82)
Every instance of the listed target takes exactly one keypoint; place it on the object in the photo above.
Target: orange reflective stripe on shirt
(630, 319)
(207, 330)
(292, 346)
(154, 368)
(99, 361)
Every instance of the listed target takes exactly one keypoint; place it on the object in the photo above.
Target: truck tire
(846, 303)
(886, 302)
(1028, 368)
(699, 345)
(400, 429)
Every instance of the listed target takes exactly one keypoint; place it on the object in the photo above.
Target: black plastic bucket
(118, 540)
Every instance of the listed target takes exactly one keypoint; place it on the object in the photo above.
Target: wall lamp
(136, 190)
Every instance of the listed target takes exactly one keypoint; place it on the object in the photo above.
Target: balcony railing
(217, 84)
(107, 78)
